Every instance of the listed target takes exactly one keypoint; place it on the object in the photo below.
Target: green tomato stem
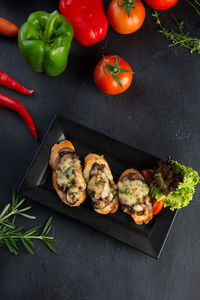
(114, 70)
(127, 5)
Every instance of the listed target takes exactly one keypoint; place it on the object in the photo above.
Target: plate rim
(59, 118)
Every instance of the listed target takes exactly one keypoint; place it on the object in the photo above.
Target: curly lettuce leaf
(175, 188)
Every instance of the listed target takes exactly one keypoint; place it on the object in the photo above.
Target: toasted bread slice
(133, 193)
(58, 147)
(67, 176)
(100, 184)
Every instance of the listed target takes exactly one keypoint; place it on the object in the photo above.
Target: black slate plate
(37, 186)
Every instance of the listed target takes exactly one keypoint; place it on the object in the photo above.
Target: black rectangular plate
(37, 185)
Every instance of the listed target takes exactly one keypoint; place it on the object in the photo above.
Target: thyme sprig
(178, 38)
(10, 234)
(193, 4)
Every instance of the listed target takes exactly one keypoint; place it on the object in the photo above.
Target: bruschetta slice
(133, 193)
(67, 177)
(100, 184)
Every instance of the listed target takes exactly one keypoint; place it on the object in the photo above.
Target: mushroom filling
(134, 196)
(100, 188)
(69, 177)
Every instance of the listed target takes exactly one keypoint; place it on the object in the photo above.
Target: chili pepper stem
(50, 25)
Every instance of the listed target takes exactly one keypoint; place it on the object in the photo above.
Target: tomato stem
(114, 69)
(127, 5)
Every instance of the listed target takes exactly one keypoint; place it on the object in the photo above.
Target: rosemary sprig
(10, 234)
(178, 38)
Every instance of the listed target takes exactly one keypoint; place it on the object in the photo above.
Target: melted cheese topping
(64, 173)
(88, 168)
(65, 165)
(99, 186)
(64, 179)
(131, 191)
(69, 174)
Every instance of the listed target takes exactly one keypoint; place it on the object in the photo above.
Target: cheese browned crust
(67, 176)
(134, 197)
(100, 184)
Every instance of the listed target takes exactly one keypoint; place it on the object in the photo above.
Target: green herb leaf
(9, 225)
(14, 199)
(32, 230)
(99, 182)
(27, 246)
(49, 246)
(27, 216)
(10, 247)
(193, 5)
(47, 226)
(10, 235)
(178, 39)
(31, 244)
(5, 210)
(174, 184)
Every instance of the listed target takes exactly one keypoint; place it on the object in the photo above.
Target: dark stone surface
(158, 114)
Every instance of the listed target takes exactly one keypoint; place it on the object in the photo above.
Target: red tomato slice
(148, 176)
(156, 206)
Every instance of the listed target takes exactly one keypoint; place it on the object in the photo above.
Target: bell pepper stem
(50, 25)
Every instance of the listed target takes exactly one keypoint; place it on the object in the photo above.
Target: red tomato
(119, 78)
(148, 176)
(126, 20)
(156, 206)
(161, 4)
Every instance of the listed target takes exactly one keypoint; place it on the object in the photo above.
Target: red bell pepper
(87, 18)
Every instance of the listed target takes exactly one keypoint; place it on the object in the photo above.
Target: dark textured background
(159, 114)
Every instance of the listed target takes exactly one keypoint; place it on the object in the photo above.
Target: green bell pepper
(45, 41)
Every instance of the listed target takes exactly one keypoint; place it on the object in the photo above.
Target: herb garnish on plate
(10, 234)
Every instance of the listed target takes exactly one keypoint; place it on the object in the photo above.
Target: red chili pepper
(87, 18)
(12, 84)
(6, 101)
